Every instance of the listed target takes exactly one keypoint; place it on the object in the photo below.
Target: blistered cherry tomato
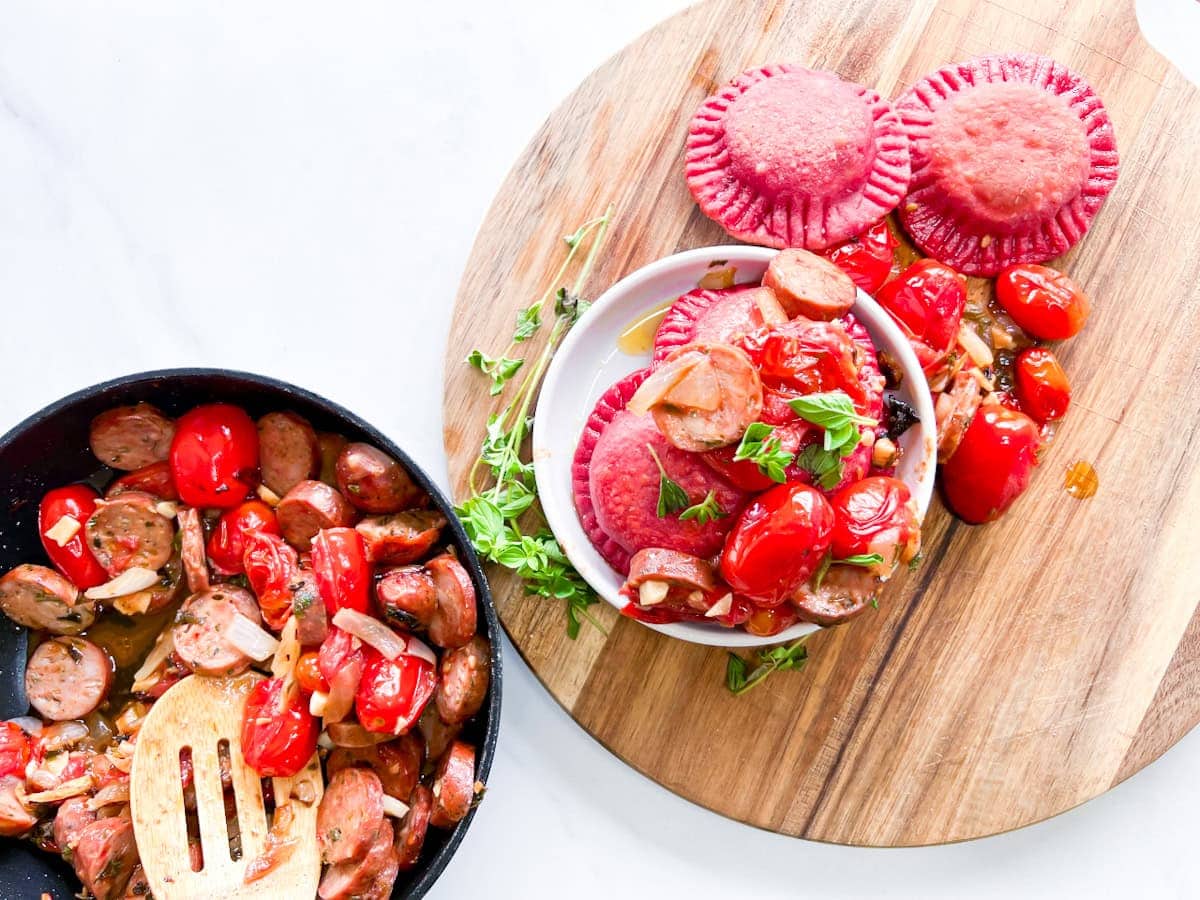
(867, 258)
(875, 515)
(802, 357)
(778, 541)
(308, 673)
(1043, 301)
(270, 564)
(992, 465)
(1041, 385)
(339, 561)
(14, 750)
(154, 479)
(339, 650)
(393, 692)
(74, 558)
(927, 299)
(227, 545)
(277, 742)
(214, 456)
(766, 621)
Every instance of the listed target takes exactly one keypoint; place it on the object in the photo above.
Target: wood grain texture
(1028, 665)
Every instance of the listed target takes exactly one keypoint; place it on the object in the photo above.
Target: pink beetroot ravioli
(1012, 156)
(616, 481)
(789, 157)
(720, 316)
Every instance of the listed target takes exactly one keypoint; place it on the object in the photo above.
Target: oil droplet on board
(1082, 481)
(638, 337)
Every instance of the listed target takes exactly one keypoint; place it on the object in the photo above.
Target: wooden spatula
(199, 713)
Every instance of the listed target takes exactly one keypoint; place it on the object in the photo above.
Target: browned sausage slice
(402, 537)
(397, 763)
(374, 482)
(453, 624)
(15, 819)
(411, 836)
(453, 786)
(954, 409)
(385, 880)
(352, 879)
(203, 623)
(105, 856)
(129, 531)
(39, 598)
(70, 820)
(407, 596)
(192, 550)
(845, 592)
(809, 285)
(309, 507)
(465, 675)
(67, 678)
(677, 569)
(312, 621)
(288, 451)
(130, 437)
(350, 815)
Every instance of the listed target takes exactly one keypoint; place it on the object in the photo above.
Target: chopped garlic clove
(62, 531)
(652, 592)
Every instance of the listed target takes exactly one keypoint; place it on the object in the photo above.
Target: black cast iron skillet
(50, 449)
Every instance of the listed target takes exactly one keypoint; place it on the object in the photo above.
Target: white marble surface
(293, 188)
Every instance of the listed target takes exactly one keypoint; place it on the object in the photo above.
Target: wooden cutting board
(1030, 664)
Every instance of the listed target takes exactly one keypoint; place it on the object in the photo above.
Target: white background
(293, 189)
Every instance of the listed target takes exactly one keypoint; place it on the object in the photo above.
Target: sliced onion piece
(31, 725)
(700, 389)
(769, 306)
(130, 581)
(370, 631)
(661, 380)
(110, 794)
(63, 736)
(340, 699)
(64, 791)
(166, 509)
(980, 352)
(393, 807)
(353, 735)
(316, 703)
(268, 496)
(721, 607)
(250, 639)
(418, 648)
(158, 654)
(63, 530)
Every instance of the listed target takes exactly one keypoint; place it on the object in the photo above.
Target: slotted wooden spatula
(198, 713)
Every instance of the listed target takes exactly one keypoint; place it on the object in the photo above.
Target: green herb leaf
(735, 673)
(825, 465)
(569, 306)
(822, 570)
(500, 369)
(759, 444)
(528, 322)
(875, 603)
(865, 560)
(833, 411)
(671, 497)
(915, 562)
(783, 658)
(708, 510)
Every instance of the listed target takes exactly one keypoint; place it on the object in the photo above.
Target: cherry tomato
(153, 479)
(766, 621)
(227, 545)
(339, 650)
(74, 558)
(339, 560)
(927, 300)
(992, 465)
(875, 515)
(778, 541)
(1043, 301)
(393, 692)
(308, 673)
(270, 565)
(214, 456)
(14, 750)
(1041, 385)
(867, 258)
(277, 742)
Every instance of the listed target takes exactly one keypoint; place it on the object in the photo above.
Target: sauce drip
(638, 337)
(1082, 481)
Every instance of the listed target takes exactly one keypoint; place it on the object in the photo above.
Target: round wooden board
(1028, 665)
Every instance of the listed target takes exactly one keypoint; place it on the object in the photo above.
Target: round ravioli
(1012, 156)
(708, 317)
(616, 485)
(789, 157)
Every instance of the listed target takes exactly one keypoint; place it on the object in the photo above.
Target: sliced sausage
(41, 599)
(67, 678)
(105, 857)
(453, 623)
(411, 836)
(203, 622)
(331, 446)
(713, 403)
(453, 786)
(350, 815)
(954, 409)
(678, 569)
(138, 887)
(407, 596)
(465, 675)
(70, 820)
(809, 285)
(192, 550)
(129, 531)
(130, 437)
(385, 880)
(309, 507)
(288, 451)
(374, 482)
(397, 763)
(15, 819)
(845, 592)
(438, 735)
(312, 621)
(352, 879)
(402, 537)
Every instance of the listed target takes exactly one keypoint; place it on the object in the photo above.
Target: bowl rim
(487, 751)
(560, 512)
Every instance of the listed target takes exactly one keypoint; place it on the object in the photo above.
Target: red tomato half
(339, 561)
(227, 545)
(867, 258)
(339, 650)
(1043, 301)
(74, 558)
(393, 692)
(214, 456)
(992, 465)
(927, 299)
(14, 750)
(874, 515)
(802, 357)
(308, 673)
(1041, 385)
(270, 565)
(277, 743)
(778, 541)
(153, 479)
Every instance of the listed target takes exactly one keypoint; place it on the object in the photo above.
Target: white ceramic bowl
(589, 362)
